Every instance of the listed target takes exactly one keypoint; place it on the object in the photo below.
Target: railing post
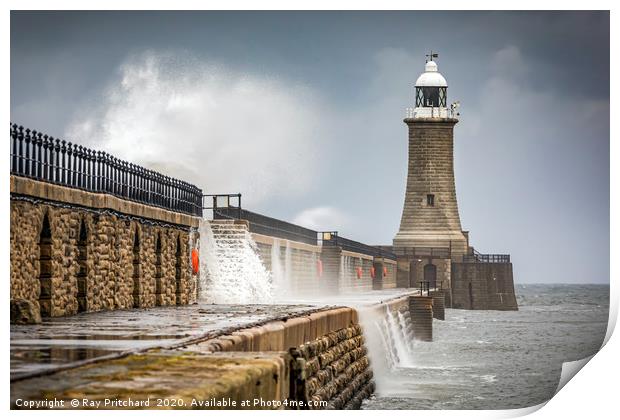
(104, 173)
(13, 134)
(63, 150)
(28, 161)
(130, 181)
(126, 179)
(156, 180)
(38, 142)
(98, 171)
(146, 188)
(70, 163)
(57, 160)
(114, 175)
(174, 193)
(140, 183)
(45, 158)
(143, 185)
(20, 139)
(87, 169)
(108, 173)
(81, 151)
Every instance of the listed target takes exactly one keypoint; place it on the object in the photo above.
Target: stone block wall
(483, 286)
(333, 369)
(98, 248)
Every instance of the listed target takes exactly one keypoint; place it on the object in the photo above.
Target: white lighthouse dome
(431, 77)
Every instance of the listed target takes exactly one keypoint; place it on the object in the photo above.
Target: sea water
(496, 359)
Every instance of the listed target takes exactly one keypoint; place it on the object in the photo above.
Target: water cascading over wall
(389, 338)
(231, 269)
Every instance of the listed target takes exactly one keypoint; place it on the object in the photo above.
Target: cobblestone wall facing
(333, 369)
(115, 257)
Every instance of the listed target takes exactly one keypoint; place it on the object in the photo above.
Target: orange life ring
(319, 268)
(359, 272)
(195, 261)
(385, 271)
(372, 272)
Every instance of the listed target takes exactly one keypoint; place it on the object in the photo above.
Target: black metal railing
(476, 257)
(439, 252)
(332, 238)
(218, 202)
(44, 158)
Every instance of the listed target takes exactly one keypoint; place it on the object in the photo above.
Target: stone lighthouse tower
(430, 234)
(430, 246)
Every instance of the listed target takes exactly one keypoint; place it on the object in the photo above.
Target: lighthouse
(430, 234)
(431, 247)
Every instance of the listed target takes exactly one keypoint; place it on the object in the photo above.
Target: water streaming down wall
(230, 269)
(389, 339)
(348, 279)
(281, 269)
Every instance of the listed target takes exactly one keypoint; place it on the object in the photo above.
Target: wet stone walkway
(70, 341)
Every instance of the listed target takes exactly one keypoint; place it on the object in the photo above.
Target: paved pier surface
(68, 341)
(65, 342)
(353, 299)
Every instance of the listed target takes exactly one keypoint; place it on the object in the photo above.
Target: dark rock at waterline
(24, 312)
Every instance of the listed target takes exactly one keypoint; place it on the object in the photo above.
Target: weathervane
(431, 56)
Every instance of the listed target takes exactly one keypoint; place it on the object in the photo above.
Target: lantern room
(431, 92)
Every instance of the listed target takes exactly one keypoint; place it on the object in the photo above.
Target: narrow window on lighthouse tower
(430, 200)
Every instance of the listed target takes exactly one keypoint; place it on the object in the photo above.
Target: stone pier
(438, 304)
(421, 310)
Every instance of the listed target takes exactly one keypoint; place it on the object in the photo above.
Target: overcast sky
(302, 113)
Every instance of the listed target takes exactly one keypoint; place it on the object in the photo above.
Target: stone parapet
(282, 335)
(51, 192)
(167, 380)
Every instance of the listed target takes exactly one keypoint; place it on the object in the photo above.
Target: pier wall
(321, 269)
(76, 251)
(297, 260)
(483, 286)
(318, 358)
